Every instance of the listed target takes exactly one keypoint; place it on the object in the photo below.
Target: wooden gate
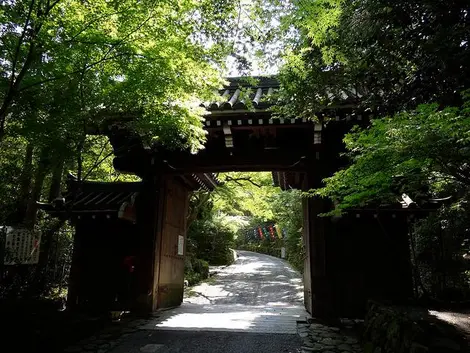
(172, 244)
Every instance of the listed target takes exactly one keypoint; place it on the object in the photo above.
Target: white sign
(283, 253)
(180, 245)
(21, 246)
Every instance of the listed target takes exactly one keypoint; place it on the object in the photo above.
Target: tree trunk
(195, 208)
(48, 234)
(40, 279)
(56, 181)
(26, 173)
(40, 175)
(25, 185)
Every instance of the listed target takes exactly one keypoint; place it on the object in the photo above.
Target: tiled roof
(93, 196)
(206, 181)
(108, 197)
(243, 93)
(257, 92)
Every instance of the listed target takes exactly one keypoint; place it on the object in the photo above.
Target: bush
(195, 270)
(439, 245)
(295, 252)
(211, 241)
(287, 214)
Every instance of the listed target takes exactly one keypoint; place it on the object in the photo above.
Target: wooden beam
(223, 161)
(302, 127)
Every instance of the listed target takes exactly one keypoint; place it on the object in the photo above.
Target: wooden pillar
(306, 241)
(318, 287)
(149, 210)
(162, 210)
(322, 303)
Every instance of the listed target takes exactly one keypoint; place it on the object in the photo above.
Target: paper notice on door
(180, 245)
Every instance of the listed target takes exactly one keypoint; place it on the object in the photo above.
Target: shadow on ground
(254, 279)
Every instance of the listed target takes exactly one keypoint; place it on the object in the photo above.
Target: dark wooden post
(157, 254)
(148, 217)
(318, 288)
(307, 258)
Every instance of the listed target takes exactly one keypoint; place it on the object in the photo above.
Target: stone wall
(406, 329)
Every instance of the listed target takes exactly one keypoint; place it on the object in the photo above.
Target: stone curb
(321, 338)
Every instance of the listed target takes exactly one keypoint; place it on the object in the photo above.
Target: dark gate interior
(368, 258)
(102, 276)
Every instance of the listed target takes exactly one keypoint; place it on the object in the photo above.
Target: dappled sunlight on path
(237, 318)
(258, 293)
(254, 279)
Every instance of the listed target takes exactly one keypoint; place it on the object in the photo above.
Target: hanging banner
(278, 231)
(271, 232)
(265, 233)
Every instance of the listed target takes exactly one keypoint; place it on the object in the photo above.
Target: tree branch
(104, 58)
(96, 19)
(237, 180)
(16, 81)
(20, 41)
(89, 66)
(51, 6)
(98, 161)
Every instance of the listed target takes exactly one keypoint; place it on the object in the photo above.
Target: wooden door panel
(171, 269)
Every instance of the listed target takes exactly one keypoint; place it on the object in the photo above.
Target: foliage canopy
(422, 153)
(68, 64)
(396, 55)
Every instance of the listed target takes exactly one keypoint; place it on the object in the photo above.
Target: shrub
(196, 270)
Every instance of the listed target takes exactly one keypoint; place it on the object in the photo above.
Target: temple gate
(347, 260)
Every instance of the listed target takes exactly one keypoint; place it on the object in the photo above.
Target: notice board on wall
(21, 246)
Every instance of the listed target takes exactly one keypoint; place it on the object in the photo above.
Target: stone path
(230, 318)
(458, 319)
(252, 306)
(254, 280)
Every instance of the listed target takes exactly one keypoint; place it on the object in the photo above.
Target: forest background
(68, 65)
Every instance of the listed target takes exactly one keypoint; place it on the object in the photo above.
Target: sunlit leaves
(151, 56)
(422, 153)
(249, 194)
(397, 54)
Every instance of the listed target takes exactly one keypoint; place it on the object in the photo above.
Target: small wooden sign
(180, 245)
